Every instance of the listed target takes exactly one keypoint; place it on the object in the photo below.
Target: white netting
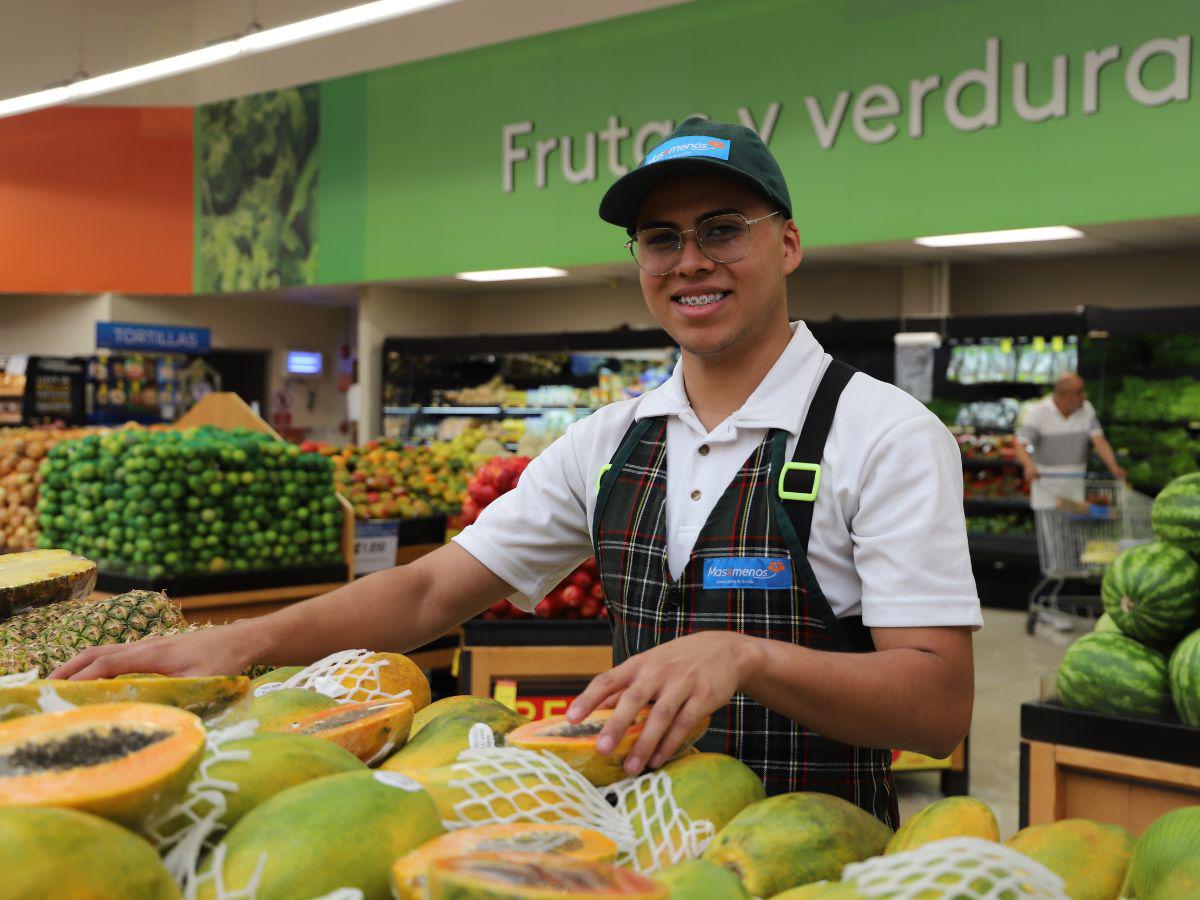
(664, 832)
(48, 699)
(187, 830)
(961, 868)
(347, 893)
(504, 785)
(345, 675)
(215, 873)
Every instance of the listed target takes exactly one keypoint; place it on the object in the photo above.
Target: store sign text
(877, 113)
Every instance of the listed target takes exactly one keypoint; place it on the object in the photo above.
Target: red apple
(597, 591)
(572, 596)
(581, 579)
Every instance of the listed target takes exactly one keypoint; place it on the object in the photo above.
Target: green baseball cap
(698, 146)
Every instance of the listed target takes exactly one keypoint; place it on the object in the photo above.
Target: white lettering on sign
(970, 101)
(128, 336)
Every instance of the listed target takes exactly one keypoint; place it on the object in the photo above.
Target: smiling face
(710, 308)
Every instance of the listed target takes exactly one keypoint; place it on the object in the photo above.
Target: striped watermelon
(1152, 592)
(1184, 674)
(1176, 513)
(1111, 673)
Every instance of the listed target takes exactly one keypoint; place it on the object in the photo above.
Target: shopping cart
(1082, 523)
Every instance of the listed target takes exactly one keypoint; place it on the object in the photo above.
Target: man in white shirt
(802, 575)
(1055, 436)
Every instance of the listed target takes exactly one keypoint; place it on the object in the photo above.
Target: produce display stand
(954, 770)
(229, 596)
(1127, 771)
(531, 650)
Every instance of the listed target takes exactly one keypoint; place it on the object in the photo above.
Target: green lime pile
(162, 503)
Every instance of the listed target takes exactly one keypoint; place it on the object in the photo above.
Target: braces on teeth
(700, 299)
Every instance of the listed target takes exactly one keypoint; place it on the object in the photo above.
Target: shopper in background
(1054, 441)
(821, 611)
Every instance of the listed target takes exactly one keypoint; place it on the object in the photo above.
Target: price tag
(375, 543)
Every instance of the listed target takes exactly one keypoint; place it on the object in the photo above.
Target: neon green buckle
(604, 468)
(815, 468)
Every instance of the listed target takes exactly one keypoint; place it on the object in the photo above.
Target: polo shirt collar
(779, 401)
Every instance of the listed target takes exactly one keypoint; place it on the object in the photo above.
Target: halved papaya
(408, 873)
(397, 674)
(575, 744)
(202, 696)
(368, 730)
(123, 761)
(535, 876)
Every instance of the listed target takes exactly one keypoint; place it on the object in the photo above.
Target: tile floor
(1008, 667)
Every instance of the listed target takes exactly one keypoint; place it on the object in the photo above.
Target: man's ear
(793, 250)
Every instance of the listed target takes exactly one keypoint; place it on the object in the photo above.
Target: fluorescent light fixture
(255, 42)
(1010, 236)
(513, 274)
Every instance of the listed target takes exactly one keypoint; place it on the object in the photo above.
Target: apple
(572, 596)
(581, 579)
(597, 591)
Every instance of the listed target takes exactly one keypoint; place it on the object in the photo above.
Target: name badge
(761, 572)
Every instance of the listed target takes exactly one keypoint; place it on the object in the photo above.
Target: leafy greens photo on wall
(258, 166)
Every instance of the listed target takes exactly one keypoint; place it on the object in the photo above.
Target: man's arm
(1028, 466)
(914, 692)
(397, 609)
(1105, 451)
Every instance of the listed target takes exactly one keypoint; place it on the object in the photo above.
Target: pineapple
(23, 657)
(39, 577)
(21, 629)
(116, 620)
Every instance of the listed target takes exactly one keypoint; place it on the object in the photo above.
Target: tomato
(572, 596)
(581, 579)
(597, 591)
(590, 608)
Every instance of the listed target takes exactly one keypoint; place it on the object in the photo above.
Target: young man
(819, 609)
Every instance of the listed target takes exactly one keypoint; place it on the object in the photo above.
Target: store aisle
(1008, 666)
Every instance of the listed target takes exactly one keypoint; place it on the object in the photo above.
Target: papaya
(822, 890)
(1090, 857)
(699, 879)
(124, 761)
(793, 839)
(259, 767)
(534, 876)
(397, 674)
(202, 696)
(275, 676)
(457, 704)
(950, 817)
(446, 736)
(575, 744)
(340, 831)
(368, 730)
(276, 709)
(48, 852)
(710, 787)
(408, 873)
(514, 795)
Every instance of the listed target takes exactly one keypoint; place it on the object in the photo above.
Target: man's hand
(686, 679)
(215, 651)
(1030, 471)
(1118, 473)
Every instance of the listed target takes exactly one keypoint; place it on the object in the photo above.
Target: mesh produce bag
(185, 832)
(341, 675)
(48, 698)
(962, 868)
(664, 834)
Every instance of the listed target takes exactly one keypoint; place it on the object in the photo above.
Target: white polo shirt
(888, 538)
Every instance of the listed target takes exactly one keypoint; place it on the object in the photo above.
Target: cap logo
(697, 145)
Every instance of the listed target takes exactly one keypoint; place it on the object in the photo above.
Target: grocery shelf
(482, 410)
(998, 503)
(540, 632)
(1164, 740)
(1005, 548)
(178, 586)
(980, 462)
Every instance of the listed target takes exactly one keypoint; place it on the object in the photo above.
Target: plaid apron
(647, 608)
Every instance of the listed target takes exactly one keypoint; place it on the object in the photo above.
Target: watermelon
(1111, 673)
(1175, 516)
(1152, 592)
(1184, 673)
(1165, 858)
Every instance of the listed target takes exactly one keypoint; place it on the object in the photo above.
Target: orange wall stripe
(97, 199)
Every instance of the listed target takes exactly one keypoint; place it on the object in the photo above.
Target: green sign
(892, 119)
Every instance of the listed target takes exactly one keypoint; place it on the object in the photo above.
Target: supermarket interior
(365, 304)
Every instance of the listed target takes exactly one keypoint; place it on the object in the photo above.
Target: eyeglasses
(723, 239)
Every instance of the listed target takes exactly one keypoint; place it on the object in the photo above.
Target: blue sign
(757, 572)
(677, 148)
(158, 338)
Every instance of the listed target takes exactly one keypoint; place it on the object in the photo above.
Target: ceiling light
(1010, 236)
(254, 42)
(513, 274)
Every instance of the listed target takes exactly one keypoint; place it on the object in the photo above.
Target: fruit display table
(531, 650)
(1127, 771)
